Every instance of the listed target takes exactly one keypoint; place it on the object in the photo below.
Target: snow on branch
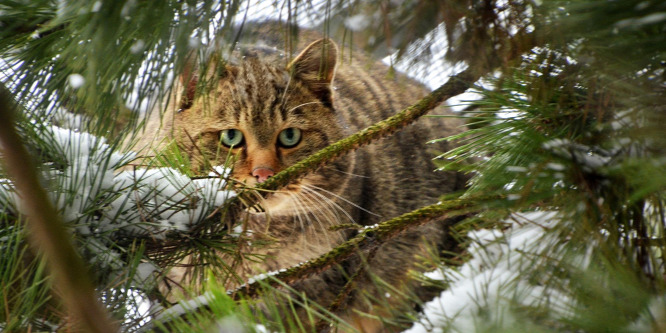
(102, 205)
(93, 197)
(482, 291)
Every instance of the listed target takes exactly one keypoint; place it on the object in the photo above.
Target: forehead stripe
(275, 108)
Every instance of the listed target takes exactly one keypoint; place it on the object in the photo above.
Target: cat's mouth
(271, 201)
(252, 182)
(299, 195)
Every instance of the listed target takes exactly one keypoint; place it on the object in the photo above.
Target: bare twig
(47, 233)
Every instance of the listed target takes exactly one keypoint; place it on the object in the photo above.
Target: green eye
(289, 137)
(231, 137)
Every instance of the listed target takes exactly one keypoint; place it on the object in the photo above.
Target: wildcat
(267, 116)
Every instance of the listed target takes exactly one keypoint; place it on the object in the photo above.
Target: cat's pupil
(289, 133)
(289, 137)
(231, 137)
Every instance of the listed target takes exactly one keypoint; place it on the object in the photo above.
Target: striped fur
(326, 99)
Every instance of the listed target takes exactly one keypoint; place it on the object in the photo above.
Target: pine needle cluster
(565, 145)
(574, 127)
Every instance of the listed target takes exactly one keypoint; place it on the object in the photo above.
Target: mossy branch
(46, 231)
(367, 240)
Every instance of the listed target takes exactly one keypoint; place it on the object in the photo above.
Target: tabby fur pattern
(326, 98)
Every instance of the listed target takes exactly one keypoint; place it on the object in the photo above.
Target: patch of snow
(67, 120)
(193, 43)
(513, 196)
(228, 324)
(556, 143)
(259, 328)
(641, 21)
(236, 231)
(138, 46)
(590, 158)
(309, 13)
(357, 22)
(260, 277)
(98, 202)
(592, 161)
(96, 7)
(514, 168)
(184, 307)
(127, 9)
(492, 279)
(145, 270)
(76, 81)
(556, 166)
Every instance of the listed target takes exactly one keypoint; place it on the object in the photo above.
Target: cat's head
(264, 116)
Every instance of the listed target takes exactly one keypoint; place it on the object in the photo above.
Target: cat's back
(399, 172)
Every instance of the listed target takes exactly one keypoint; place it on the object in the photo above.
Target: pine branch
(46, 230)
(339, 301)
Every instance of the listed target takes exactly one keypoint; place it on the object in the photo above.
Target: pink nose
(262, 173)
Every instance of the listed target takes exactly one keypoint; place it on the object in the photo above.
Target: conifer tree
(565, 143)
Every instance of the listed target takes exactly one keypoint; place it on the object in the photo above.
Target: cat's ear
(315, 67)
(191, 75)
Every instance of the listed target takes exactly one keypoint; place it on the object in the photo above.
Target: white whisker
(327, 211)
(345, 172)
(341, 198)
(286, 89)
(298, 207)
(329, 207)
(298, 106)
(331, 203)
(328, 214)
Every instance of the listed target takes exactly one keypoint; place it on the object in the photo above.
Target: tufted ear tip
(191, 75)
(315, 66)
